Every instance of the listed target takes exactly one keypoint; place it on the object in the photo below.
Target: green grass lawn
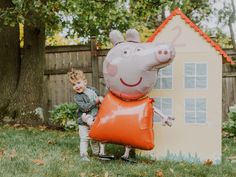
(37, 152)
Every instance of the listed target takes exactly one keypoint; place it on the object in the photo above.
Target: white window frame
(161, 98)
(195, 75)
(161, 77)
(195, 112)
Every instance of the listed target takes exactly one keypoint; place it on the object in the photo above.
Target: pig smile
(131, 85)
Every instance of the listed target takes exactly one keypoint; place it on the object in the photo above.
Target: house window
(164, 78)
(165, 105)
(195, 75)
(195, 110)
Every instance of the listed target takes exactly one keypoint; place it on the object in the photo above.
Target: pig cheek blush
(111, 69)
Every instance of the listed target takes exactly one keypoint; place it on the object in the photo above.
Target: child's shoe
(85, 159)
(128, 159)
(106, 157)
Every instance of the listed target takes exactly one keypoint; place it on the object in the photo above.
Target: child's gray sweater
(86, 104)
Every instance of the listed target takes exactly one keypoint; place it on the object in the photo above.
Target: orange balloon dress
(125, 122)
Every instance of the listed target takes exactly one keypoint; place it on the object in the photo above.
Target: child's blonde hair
(76, 75)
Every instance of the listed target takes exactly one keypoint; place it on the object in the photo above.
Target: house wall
(184, 140)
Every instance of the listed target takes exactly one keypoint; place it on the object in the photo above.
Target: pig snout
(163, 54)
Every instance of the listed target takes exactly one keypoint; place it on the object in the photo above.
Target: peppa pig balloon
(130, 68)
(130, 72)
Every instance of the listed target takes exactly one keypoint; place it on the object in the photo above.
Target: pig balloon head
(130, 67)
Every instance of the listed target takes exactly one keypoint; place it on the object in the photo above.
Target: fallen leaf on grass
(12, 154)
(16, 125)
(38, 161)
(42, 127)
(159, 173)
(208, 162)
(1, 153)
(147, 161)
(52, 142)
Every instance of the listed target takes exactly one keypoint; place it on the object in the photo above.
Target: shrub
(229, 126)
(65, 115)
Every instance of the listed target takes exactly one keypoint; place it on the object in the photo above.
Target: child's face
(80, 86)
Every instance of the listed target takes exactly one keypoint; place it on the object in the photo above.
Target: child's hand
(100, 99)
(97, 100)
(88, 119)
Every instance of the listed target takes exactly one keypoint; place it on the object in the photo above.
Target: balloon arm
(166, 120)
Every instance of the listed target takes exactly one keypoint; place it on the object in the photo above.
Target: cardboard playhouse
(190, 89)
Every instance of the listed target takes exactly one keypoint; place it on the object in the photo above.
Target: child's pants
(84, 139)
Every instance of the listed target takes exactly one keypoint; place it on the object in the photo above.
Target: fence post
(94, 58)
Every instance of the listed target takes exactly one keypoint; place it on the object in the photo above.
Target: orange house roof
(195, 27)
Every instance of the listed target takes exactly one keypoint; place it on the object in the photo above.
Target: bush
(65, 115)
(229, 126)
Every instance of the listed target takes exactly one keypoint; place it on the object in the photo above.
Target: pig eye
(139, 49)
(126, 52)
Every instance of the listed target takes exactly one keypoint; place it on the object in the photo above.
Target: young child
(88, 100)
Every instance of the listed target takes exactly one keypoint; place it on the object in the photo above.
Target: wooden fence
(60, 60)
(229, 85)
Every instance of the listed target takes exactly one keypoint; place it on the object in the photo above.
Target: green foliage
(152, 12)
(65, 115)
(222, 39)
(30, 12)
(98, 18)
(230, 125)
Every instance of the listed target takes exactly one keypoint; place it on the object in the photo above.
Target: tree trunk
(9, 61)
(231, 21)
(27, 101)
(21, 76)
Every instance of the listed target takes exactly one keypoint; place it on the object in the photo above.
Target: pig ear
(132, 35)
(116, 37)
